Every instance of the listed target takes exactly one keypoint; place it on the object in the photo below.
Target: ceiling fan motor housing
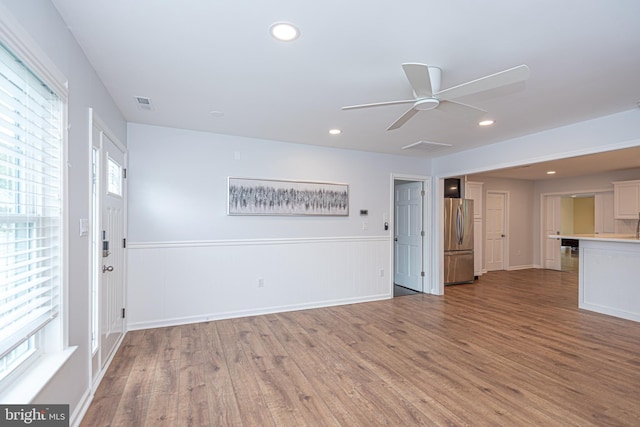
(435, 74)
(426, 104)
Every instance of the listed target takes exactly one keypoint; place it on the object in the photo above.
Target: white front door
(552, 223)
(408, 235)
(113, 235)
(495, 231)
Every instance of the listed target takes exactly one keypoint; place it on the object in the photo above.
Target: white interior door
(408, 236)
(495, 231)
(112, 270)
(552, 223)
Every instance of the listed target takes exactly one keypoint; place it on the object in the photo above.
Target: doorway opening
(410, 225)
(577, 217)
(571, 214)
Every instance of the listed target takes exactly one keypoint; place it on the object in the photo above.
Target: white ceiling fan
(425, 82)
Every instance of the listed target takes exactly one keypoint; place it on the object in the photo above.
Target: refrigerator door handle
(460, 225)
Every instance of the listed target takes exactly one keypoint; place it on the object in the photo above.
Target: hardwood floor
(509, 350)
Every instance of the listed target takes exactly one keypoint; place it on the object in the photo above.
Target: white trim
(542, 237)
(75, 418)
(253, 242)
(105, 129)
(245, 313)
(100, 125)
(27, 387)
(521, 267)
(505, 246)
(427, 241)
(22, 45)
(87, 398)
(20, 42)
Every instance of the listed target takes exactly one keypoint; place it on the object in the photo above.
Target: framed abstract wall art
(248, 196)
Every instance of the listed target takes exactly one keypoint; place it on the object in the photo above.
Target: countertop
(622, 238)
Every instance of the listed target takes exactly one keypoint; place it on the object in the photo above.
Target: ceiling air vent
(426, 146)
(143, 103)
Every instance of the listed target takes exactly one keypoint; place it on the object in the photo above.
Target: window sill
(26, 388)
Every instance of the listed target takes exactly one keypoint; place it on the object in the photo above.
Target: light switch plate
(84, 227)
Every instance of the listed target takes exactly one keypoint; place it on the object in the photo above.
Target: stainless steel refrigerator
(458, 241)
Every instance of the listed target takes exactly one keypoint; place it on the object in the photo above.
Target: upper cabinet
(626, 199)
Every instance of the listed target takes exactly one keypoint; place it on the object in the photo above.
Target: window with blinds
(31, 153)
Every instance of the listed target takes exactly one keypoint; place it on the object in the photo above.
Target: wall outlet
(260, 282)
(365, 225)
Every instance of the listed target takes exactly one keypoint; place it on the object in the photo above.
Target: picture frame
(251, 196)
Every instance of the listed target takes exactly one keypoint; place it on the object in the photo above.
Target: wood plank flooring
(509, 350)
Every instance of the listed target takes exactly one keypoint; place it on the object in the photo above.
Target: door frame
(505, 245)
(543, 210)
(94, 120)
(427, 242)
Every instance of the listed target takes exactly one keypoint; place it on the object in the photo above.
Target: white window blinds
(31, 152)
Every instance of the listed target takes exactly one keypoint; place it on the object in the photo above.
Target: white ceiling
(197, 56)
(591, 164)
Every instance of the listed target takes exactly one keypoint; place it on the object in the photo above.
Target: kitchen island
(609, 274)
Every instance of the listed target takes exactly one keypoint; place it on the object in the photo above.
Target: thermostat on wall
(364, 212)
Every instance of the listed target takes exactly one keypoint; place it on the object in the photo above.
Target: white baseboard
(521, 267)
(87, 398)
(83, 406)
(246, 313)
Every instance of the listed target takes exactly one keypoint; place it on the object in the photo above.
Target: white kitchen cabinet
(604, 221)
(475, 192)
(626, 199)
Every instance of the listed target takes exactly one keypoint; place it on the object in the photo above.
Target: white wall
(520, 218)
(190, 261)
(43, 24)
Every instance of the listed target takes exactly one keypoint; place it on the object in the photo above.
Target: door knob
(396, 239)
(106, 268)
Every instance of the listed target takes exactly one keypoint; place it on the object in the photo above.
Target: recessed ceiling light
(335, 131)
(486, 122)
(284, 31)
(216, 113)
(551, 172)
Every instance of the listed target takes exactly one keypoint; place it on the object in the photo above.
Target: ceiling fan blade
(503, 78)
(403, 119)
(461, 109)
(418, 76)
(379, 104)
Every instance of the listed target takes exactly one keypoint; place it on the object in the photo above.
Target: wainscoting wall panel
(184, 282)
